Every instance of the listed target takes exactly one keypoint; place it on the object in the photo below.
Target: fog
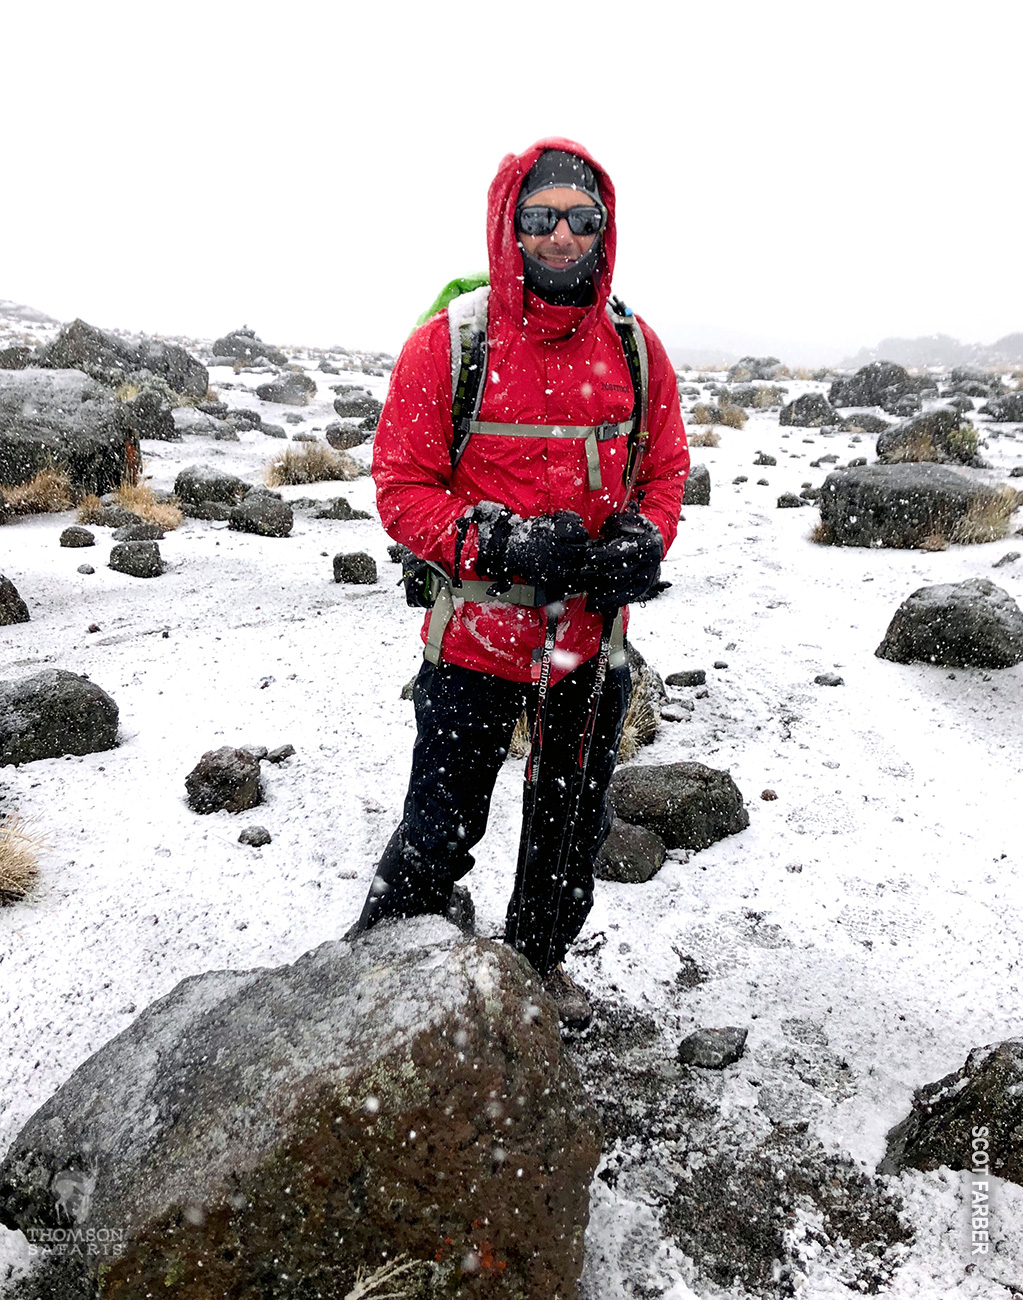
(793, 177)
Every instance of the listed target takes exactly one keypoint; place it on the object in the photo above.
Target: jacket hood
(506, 277)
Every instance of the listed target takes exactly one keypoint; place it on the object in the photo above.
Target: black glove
(622, 564)
(548, 551)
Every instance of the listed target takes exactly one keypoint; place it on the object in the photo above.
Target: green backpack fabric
(452, 290)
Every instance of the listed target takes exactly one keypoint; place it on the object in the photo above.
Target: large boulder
(190, 423)
(983, 1098)
(52, 714)
(357, 404)
(809, 411)
(149, 415)
(971, 624)
(401, 1101)
(938, 435)
(63, 419)
(12, 608)
(1005, 410)
(110, 359)
(882, 383)
(245, 346)
(903, 505)
(293, 388)
(690, 806)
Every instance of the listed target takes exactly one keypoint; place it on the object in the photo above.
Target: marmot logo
(617, 388)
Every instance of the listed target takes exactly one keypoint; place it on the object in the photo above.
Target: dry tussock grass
(20, 847)
(707, 439)
(934, 542)
(90, 509)
(310, 464)
(823, 534)
(702, 413)
(49, 492)
(987, 519)
(642, 721)
(914, 450)
(733, 417)
(141, 501)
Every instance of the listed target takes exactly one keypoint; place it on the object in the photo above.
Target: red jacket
(546, 365)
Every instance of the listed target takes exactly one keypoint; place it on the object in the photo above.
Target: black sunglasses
(542, 220)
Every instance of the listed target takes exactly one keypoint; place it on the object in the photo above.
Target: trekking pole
(535, 754)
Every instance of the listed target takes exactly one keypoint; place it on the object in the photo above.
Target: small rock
(713, 1049)
(12, 608)
(828, 679)
(263, 515)
(279, 754)
(255, 836)
(94, 627)
(768, 796)
(1010, 557)
(789, 501)
(224, 779)
(763, 459)
(741, 478)
(702, 694)
(676, 712)
(357, 567)
(77, 536)
(630, 854)
(340, 508)
(763, 482)
(139, 533)
(1016, 471)
(258, 752)
(86, 568)
(292, 389)
(137, 559)
(720, 663)
(343, 437)
(697, 489)
(687, 677)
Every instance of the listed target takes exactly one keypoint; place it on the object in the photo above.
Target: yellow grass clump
(20, 847)
(987, 519)
(733, 417)
(704, 439)
(90, 509)
(310, 463)
(141, 501)
(703, 413)
(49, 492)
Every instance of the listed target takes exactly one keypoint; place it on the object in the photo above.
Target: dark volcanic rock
(897, 505)
(342, 437)
(245, 346)
(687, 677)
(137, 559)
(882, 383)
(937, 436)
(630, 854)
(971, 624)
(340, 508)
(201, 483)
(12, 608)
(54, 713)
(357, 567)
(224, 779)
(1005, 410)
(713, 1049)
(61, 419)
(283, 1131)
(984, 1094)
(293, 388)
(809, 411)
(138, 533)
(110, 359)
(256, 837)
(789, 501)
(75, 535)
(689, 805)
(357, 405)
(697, 489)
(265, 515)
(148, 415)
(863, 422)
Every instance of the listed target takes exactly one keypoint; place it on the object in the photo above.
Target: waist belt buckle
(606, 431)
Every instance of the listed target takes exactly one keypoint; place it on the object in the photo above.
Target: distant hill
(942, 350)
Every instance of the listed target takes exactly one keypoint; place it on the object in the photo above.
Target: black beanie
(555, 169)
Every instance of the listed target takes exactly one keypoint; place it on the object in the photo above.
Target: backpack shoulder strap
(634, 346)
(467, 326)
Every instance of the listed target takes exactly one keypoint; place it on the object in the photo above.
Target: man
(536, 507)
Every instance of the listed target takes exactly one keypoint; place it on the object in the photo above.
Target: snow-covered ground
(876, 897)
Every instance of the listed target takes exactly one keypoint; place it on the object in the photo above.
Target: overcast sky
(804, 177)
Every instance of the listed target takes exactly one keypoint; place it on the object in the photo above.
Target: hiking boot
(574, 1010)
(461, 910)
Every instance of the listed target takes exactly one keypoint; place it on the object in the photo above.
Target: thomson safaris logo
(616, 388)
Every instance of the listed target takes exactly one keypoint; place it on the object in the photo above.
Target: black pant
(465, 721)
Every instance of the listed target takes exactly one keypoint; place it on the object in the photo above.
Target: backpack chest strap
(591, 435)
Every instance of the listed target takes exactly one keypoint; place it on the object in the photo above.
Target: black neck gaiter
(571, 287)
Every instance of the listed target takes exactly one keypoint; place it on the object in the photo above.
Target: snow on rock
(404, 1094)
(52, 714)
(972, 624)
